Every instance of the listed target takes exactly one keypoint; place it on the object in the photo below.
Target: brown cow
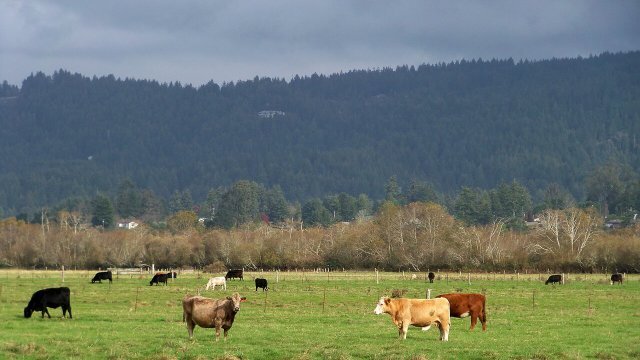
(463, 305)
(416, 312)
(210, 313)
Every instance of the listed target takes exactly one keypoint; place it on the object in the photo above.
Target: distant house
(128, 225)
(613, 224)
(268, 114)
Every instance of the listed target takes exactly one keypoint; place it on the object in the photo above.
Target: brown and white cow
(210, 313)
(463, 305)
(416, 312)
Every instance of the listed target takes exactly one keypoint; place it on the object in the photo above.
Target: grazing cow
(102, 275)
(220, 280)
(210, 313)
(463, 305)
(431, 277)
(261, 283)
(53, 298)
(232, 274)
(616, 278)
(159, 278)
(416, 312)
(554, 279)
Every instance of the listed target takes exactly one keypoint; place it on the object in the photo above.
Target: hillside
(469, 123)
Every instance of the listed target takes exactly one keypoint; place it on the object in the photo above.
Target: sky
(194, 42)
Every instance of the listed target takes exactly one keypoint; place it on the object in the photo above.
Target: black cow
(102, 275)
(159, 278)
(231, 274)
(431, 277)
(261, 283)
(51, 297)
(172, 275)
(616, 278)
(554, 279)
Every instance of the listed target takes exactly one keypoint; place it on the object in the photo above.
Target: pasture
(321, 316)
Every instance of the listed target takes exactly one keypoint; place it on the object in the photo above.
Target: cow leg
(190, 326)
(225, 334)
(474, 320)
(402, 330)
(217, 333)
(47, 312)
(444, 331)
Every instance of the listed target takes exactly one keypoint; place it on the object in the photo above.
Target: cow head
(236, 300)
(382, 306)
(27, 312)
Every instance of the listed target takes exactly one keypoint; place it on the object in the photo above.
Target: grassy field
(321, 316)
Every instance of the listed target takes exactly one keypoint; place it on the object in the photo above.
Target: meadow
(309, 315)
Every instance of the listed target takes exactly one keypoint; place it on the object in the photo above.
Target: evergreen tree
(103, 213)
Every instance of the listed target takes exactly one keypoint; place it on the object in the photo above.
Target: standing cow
(51, 297)
(463, 305)
(233, 274)
(159, 278)
(431, 277)
(416, 312)
(616, 278)
(220, 280)
(102, 275)
(261, 283)
(554, 279)
(210, 313)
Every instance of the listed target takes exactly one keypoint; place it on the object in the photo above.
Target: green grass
(313, 316)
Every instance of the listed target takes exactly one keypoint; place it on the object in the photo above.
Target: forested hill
(469, 123)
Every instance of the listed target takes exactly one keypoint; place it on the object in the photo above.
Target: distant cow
(159, 278)
(220, 280)
(102, 275)
(53, 298)
(416, 312)
(554, 279)
(463, 305)
(233, 274)
(172, 275)
(431, 277)
(616, 278)
(210, 313)
(262, 283)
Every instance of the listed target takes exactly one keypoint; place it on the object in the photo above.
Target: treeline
(415, 237)
(475, 123)
(613, 191)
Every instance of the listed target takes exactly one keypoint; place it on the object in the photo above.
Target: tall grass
(321, 316)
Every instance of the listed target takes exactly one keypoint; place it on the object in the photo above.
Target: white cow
(220, 280)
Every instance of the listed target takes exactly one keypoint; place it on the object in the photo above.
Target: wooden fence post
(62, 273)
(428, 293)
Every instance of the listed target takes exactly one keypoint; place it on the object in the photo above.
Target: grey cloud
(196, 41)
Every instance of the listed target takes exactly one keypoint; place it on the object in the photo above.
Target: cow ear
(229, 298)
(387, 301)
(243, 299)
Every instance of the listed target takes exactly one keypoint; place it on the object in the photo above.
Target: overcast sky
(228, 40)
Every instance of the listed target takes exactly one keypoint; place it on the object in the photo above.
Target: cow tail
(484, 310)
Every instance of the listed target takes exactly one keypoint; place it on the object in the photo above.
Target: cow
(220, 280)
(616, 278)
(233, 274)
(463, 305)
(51, 297)
(102, 275)
(261, 283)
(416, 312)
(554, 279)
(431, 277)
(159, 278)
(172, 275)
(210, 313)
